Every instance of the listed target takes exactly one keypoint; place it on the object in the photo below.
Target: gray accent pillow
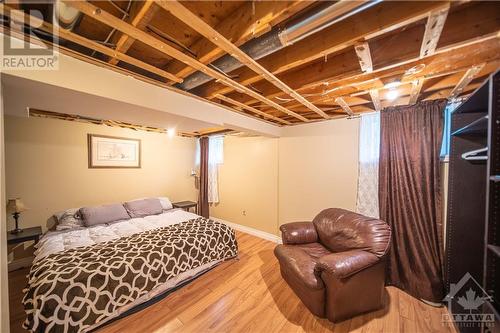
(143, 207)
(103, 214)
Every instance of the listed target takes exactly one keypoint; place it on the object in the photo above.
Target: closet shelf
(495, 249)
(477, 127)
(477, 102)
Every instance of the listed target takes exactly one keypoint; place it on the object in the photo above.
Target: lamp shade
(15, 206)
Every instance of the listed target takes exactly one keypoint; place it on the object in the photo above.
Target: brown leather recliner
(335, 264)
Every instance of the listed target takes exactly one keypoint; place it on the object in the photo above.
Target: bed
(85, 276)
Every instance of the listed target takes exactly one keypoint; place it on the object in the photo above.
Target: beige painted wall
(248, 183)
(309, 168)
(318, 169)
(46, 166)
(4, 286)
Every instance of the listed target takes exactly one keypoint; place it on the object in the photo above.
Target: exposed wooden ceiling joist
(249, 21)
(71, 53)
(251, 109)
(375, 99)
(35, 22)
(181, 12)
(343, 66)
(416, 86)
(340, 101)
(139, 19)
(376, 20)
(435, 85)
(433, 53)
(465, 80)
(437, 69)
(112, 21)
(433, 29)
(364, 57)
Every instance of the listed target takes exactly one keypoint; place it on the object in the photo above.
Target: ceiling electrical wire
(125, 15)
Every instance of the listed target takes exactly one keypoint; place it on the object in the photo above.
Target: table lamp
(15, 207)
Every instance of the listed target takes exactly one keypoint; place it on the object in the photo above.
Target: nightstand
(28, 234)
(186, 205)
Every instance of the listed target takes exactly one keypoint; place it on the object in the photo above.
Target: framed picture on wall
(113, 152)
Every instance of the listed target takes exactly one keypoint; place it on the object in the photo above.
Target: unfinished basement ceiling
(21, 94)
(292, 62)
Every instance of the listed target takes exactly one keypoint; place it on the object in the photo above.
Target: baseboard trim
(252, 231)
(20, 263)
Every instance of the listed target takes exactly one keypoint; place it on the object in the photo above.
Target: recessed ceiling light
(392, 94)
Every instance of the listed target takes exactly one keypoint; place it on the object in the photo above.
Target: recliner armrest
(298, 233)
(345, 264)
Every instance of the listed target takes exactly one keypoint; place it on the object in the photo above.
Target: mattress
(82, 278)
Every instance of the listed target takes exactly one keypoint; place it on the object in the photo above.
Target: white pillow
(165, 203)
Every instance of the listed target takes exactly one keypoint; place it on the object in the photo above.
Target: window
(215, 158)
(445, 146)
(215, 151)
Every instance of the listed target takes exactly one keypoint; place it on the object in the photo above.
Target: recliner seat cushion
(297, 268)
(300, 264)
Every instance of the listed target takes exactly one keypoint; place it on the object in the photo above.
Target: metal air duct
(311, 22)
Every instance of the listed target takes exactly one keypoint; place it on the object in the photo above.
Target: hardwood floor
(249, 295)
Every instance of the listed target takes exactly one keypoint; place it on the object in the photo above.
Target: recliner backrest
(341, 230)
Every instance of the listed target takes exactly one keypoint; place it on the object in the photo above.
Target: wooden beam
(440, 85)
(445, 87)
(416, 86)
(83, 57)
(433, 29)
(340, 101)
(251, 109)
(192, 20)
(377, 20)
(143, 15)
(321, 76)
(37, 23)
(112, 21)
(465, 80)
(250, 20)
(375, 99)
(364, 57)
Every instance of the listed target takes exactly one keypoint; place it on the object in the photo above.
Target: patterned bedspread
(71, 291)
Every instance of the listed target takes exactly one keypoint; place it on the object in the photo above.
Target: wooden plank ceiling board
(251, 109)
(391, 51)
(383, 17)
(68, 35)
(248, 21)
(143, 13)
(465, 80)
(433, 28)
(106, 18)
(427, 49)
(181, 12)
(416, 86)
(472, 47)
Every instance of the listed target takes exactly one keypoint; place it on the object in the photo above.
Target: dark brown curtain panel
(410, 196)
(203, 193)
